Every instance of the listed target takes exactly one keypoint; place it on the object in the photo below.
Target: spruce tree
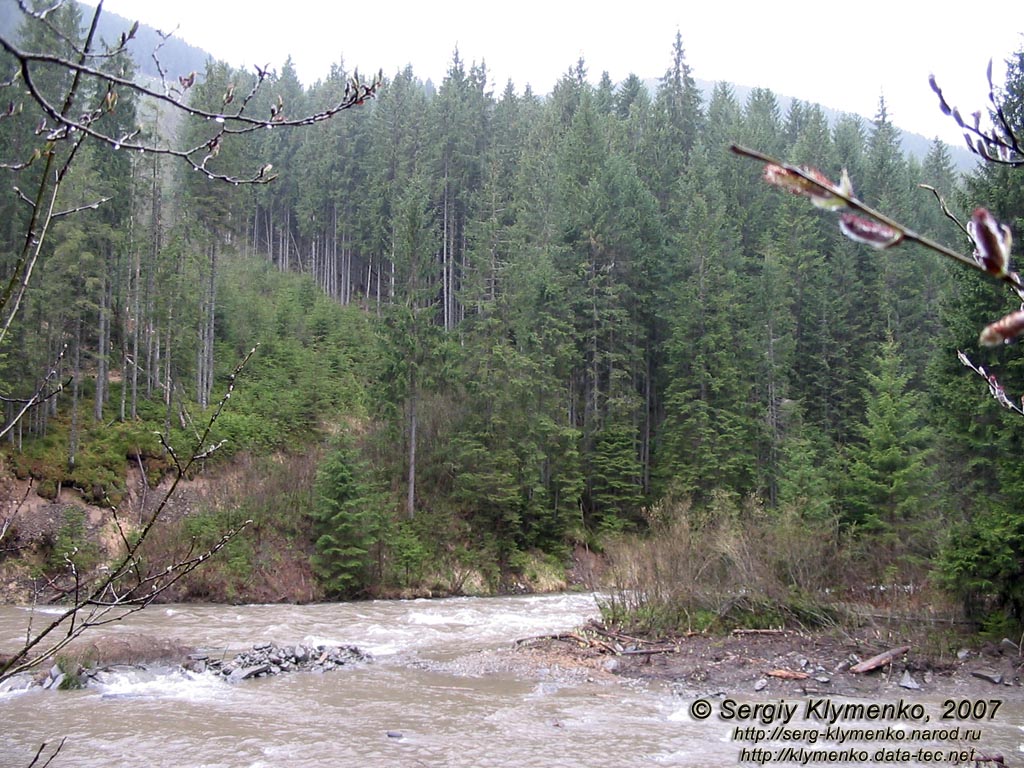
(887, 489)
(347, 522)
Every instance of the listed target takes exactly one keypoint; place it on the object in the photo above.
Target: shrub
(726, 565)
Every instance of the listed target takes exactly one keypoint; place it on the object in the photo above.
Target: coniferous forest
(497, 329)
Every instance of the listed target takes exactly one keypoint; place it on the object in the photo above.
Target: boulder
(990, 675)
(244, 673)
(908, 682)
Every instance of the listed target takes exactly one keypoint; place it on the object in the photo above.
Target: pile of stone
(268, 659)
(262, 660)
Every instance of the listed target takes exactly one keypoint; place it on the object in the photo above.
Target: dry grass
(728, 565)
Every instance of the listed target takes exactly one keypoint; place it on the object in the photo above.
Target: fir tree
(887, 492)
(347, 522)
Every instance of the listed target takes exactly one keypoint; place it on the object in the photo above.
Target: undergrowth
(729, 565)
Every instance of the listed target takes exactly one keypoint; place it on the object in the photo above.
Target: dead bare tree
(68, 122)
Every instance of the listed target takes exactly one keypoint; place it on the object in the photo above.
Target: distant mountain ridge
(913, 144)
(178, 57)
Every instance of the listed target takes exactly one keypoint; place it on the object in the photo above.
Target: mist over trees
(534, 320)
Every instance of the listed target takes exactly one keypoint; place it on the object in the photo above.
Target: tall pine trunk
(410, 501)
(76, 376)
(102, 347)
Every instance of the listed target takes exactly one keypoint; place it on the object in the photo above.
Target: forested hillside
(505, 326)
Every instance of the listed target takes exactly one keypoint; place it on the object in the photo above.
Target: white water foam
(175, 684)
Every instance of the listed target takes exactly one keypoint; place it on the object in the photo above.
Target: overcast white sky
(842, 55)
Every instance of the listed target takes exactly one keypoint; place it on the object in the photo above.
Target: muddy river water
(426, 700)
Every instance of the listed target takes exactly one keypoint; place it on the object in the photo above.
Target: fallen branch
(649, 651)
(561, 637)
(880, 660)
(614, 634)
(787, 674)
(742, 632)
(594, 643)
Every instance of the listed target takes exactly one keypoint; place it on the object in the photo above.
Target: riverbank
(785, 663)
(269, 561)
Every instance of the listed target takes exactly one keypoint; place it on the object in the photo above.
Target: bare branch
(42, 747)
(235, 123)
(1000, 145)
(128, 584)
(42, 393)
(945, 208)
(994, 387)
(89, 207)
(9, 518)
(110, 599)
(991, 239)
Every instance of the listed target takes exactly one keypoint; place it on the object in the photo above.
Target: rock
(20, 682)
(908, 682)
(963, 654)
(611, 665)
(848, 662)
(823, 679)
(989, 675)
(1008, 644)
(244, 673)
(761, 684)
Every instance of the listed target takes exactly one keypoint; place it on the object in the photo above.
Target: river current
(424, 700)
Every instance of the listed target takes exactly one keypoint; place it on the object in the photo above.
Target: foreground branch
(60, 124)
(127, 586)
(992, 241)
(825, 190)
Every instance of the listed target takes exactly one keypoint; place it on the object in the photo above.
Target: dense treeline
(557, 314)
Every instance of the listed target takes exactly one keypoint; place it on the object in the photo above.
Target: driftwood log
(787, 674)
(880, 660)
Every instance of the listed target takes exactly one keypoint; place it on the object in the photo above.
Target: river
(425, 699)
